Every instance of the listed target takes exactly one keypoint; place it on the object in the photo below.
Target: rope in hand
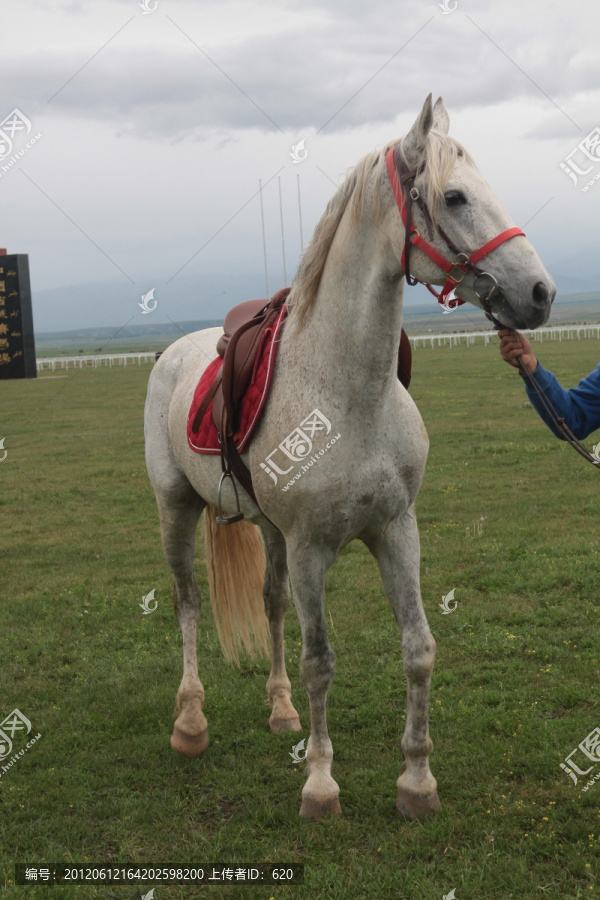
(557, 421)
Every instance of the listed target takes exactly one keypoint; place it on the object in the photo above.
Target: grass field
(509, 519)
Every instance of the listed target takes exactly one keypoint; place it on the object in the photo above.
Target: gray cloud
(171, 89)
(152, 151)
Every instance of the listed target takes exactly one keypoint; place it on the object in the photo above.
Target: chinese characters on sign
(17, 345)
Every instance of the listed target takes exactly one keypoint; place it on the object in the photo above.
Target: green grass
(515, 687)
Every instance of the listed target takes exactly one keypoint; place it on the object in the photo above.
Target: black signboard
(17, 346)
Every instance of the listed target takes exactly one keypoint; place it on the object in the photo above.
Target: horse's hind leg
(277, 597)
(179, 512)
(397, 552)
(308, 564)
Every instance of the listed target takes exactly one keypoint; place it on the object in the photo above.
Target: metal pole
(282, 237)
(300, 216)
(262, 216)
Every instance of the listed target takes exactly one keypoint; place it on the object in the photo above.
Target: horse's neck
(353, 331)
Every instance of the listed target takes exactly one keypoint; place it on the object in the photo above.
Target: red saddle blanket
(204, 439)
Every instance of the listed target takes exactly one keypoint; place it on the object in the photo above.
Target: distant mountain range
(114, 304)
(94, 313)
(418, 318)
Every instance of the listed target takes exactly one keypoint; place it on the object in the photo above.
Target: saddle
(239, 345)
(243, 329)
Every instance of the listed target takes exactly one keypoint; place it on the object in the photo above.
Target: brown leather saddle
(243, 328)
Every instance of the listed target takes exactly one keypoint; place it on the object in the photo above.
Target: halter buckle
(414, 193)
(456, 265)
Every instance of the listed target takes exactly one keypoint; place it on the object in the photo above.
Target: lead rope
(557, 420)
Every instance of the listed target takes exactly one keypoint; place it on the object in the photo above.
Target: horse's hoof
(316, 809)
(187, 744)
(413, 807)
(278, 726)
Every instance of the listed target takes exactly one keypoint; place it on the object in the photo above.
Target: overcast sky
(156, 128)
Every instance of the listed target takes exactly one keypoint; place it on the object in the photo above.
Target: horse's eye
(455, 198)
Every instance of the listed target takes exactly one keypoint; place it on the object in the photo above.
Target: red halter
(402, 181)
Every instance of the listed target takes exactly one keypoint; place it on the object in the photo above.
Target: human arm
(579, 406)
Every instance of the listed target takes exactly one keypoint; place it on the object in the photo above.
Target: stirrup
(223, 519)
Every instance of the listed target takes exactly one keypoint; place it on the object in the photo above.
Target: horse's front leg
(398, 555)
(307, 565)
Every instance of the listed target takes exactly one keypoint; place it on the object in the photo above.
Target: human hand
(512, 345)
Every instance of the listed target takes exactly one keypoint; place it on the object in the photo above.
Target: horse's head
(465, 215)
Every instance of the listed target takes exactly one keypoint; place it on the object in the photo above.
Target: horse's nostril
(540, 292)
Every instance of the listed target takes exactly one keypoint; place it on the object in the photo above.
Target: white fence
(552, 333)
(102, 359)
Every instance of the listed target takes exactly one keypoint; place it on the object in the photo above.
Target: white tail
(235, 563)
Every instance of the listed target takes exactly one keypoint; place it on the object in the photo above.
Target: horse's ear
(441, 119)
(414, 142)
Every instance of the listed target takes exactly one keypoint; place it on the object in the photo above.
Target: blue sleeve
(579, 406)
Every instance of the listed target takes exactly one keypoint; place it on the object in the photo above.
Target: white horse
(335, 385)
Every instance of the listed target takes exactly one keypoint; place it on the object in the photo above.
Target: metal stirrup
(223, 519)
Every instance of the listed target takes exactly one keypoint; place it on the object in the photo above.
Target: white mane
(441, 155)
